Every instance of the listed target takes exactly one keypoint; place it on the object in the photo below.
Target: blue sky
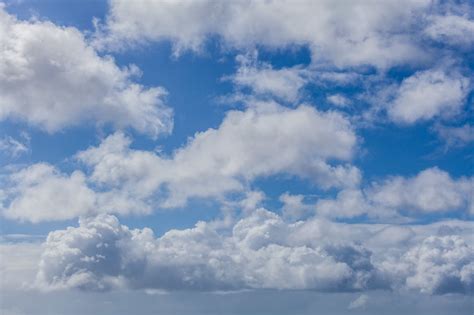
(273, 148)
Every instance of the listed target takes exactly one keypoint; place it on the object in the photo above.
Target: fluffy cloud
(351, 34)
(101, 254)
(261, 141)
(41, 192)
(338, 100)
(431, 190)
(451, 29)
(260, 251)
(52, 78)
(284, 84)
(428, 94)
(438, 265)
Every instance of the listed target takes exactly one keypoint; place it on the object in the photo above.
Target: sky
(236, 157)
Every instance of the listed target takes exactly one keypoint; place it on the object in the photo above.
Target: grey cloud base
(261, 251)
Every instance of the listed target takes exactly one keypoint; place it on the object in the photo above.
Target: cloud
(14, 147)
(101, 254)
(19, 270)
(41, 192)
(51, 77)
(438, 265)
(259, 251)
(451, 29)
(360, 302)
(455, 136)
(338, 100)
(263, 80)
(429, 94)
(353, 34)
(430, 191)
(263, 140)
(294, 205)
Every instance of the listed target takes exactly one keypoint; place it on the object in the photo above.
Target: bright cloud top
(51, 77)
(262, 251)
(346, 34)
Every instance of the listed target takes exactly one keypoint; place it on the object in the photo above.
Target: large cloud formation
(259, 251)
(264, 140)
(430, 191)
(346, 34)
(51, 77)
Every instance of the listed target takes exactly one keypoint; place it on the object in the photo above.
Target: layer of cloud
(438, 265)
(261, 141)
(430, 191)
(51, 77)
(260, 251)
(451, 29)
(41, 192)
(351, 34)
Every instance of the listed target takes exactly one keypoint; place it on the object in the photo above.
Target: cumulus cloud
(438, 265)
(258, 142)
(429, 94)
(451, 29)
(294, 205)
(262, 79)
(432, 190)
(352, 34)
(259, 251)
(41, 192)
(101, 254)
(338, 100)
(51, 77)
(263, 140)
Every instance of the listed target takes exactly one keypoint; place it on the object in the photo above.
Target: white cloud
(437, 265)
(13, 147)
(431, 190)
(429, 94)
(338, 100)
(456, 136)
(263, 80)
(17, 272)
(360, 302)
(348, 34)
(101, 254)
(261, 141)
(52, 78)
(451, 29)
(41, 192)
(259, 251)
(294, 205)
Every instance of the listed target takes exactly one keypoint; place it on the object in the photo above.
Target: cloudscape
(236, 157)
